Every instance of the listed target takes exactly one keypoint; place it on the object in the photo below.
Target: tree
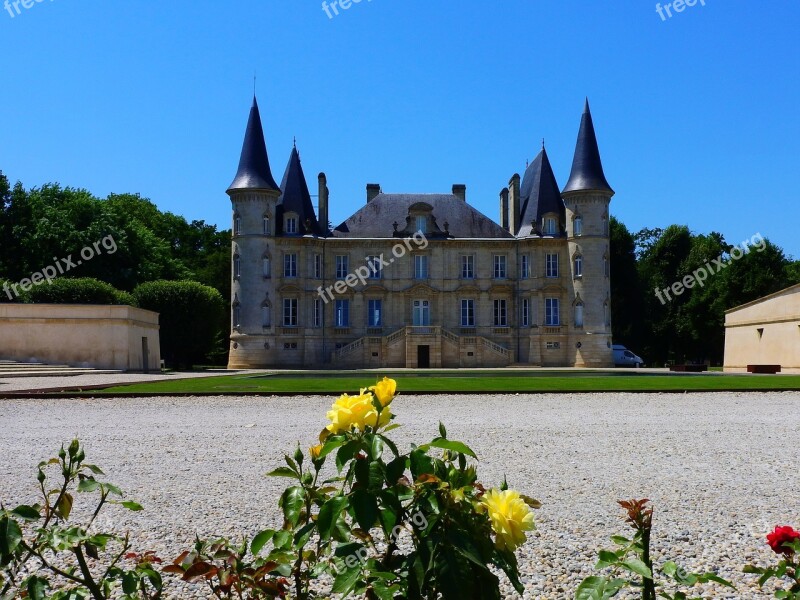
(626, 290)
(77, 291)
(191, 316)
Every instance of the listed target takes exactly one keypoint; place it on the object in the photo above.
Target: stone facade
(91, 336)
(454, 289)
(765, 332)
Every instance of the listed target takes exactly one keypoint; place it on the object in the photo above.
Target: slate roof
(376, 219)
(295, 197)
(254, 172)
(587, 170)
(539, 195)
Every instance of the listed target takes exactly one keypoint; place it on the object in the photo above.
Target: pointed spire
(254, 172)
(295, 197)
(587, 169)
(539, 194)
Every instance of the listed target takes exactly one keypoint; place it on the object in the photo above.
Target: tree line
(670, 288)
(158, 260)
(656, 310)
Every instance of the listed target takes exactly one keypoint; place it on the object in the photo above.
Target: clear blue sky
(696, 115)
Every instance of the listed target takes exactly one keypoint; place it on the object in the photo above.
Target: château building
(421, 280)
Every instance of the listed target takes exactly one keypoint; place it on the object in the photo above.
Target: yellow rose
(356, 412)
(314, 451)
(510, 517)
(385, 391)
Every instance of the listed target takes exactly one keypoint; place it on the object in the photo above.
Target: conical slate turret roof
(254, 172)
(587, 170)
(295, 197)
(538, 195)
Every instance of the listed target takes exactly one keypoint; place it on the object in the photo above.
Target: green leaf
(261, 540)
(376, 447)
(454, 446)
(421, 463)
(365, 508)
(637, 566)
(94, 469)
(292, 502)
(27, 513)
(442, 431)
(130, 505)
(328, 515)
(599, 588)
(130, 583)
(331, 444)
(37, 588)
(384, 591)
(283, 472)
(88, 485)
(606, 559)
(346, 580)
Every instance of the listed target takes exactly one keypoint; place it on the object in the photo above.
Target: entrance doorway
(423, 357)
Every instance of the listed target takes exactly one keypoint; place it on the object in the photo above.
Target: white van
(625, 358)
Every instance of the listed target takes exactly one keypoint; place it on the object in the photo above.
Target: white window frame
(500, 266)
(421, 266)
(577, 226)
(524, 266)
(290, 265)
(375, 308)
(551, 265)
(550, 226)
(291, 225)
(578, 265)
(525, 313)
(341, 313)
(290, 312)
(342, 266)
(237, 266)
(467, 312)
(552, 312)
(467, 266)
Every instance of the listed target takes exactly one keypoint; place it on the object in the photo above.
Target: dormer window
(550, 226)
(422, 224)
(291, 225)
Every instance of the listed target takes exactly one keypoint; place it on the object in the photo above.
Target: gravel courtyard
(720, 468)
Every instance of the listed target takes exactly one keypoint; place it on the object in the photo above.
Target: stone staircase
(11, 368)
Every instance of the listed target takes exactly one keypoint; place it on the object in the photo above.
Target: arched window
(237, 225)
(579, 314)
(578, 265)
(266, 266)
(265, 225)
(237, 315)
(266, 315)
(577, 226)
(237, 266)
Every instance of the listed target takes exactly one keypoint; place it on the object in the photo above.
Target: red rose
(777, 538)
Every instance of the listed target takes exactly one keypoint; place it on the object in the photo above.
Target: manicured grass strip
(327, 385)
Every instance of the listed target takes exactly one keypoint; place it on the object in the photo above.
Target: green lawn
(523, 381)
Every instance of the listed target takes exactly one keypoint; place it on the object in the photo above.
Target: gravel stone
(720, 468)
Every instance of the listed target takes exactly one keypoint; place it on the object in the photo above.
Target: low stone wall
(103, 337)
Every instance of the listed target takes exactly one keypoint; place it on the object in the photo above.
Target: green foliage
(191, 317)
(626, 291)
(629, 566)
(349, 526)
(787, 569)
(77, 291)
(42, 225)
(46, 554)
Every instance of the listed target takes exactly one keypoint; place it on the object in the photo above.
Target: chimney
(373, 189)
(460, 191)
(323, 202)
(513, 204)
(504, 208)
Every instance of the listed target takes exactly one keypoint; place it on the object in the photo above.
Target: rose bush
(785, 542)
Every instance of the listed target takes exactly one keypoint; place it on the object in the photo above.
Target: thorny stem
(89, 582)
